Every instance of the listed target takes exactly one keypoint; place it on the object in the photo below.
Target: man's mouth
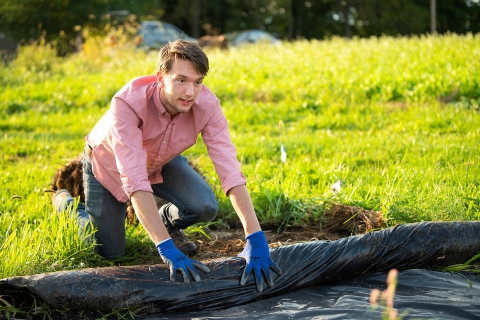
(185, 101)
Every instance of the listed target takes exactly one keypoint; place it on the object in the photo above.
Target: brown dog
(70, 177)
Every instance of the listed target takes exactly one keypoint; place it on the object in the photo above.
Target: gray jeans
(191, 200)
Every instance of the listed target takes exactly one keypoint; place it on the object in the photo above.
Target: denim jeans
(191, 200)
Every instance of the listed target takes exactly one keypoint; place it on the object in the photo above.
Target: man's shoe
(182, 243)
(58, 199)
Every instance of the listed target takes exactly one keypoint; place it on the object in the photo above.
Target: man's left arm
(221, 150)
(256, 252)
(242, 203)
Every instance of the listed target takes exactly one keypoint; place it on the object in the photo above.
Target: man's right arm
(147, 213)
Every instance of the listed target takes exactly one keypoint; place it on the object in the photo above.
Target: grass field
(395, 120)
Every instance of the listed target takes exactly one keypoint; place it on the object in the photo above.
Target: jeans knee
(209, 212)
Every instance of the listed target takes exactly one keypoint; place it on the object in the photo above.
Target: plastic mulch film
(420, 294)
(428, 245)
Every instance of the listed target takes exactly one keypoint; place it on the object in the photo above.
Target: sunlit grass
(49, 242)
(395, 120)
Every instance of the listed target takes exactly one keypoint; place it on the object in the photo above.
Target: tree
(60, 20)
(433, 16)
(458, 16)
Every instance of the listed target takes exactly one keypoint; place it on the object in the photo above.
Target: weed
(472, 265)
(123, 314)
(26, 309)
(384, 299)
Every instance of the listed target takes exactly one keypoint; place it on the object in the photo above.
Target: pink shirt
(137, 136)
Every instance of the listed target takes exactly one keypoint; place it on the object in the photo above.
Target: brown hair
(182, 49)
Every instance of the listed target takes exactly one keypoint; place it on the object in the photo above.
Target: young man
(134, 152)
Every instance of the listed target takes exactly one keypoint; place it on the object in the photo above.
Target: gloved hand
(177, 261)
(257, 256)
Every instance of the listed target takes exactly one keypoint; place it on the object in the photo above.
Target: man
(134, 152)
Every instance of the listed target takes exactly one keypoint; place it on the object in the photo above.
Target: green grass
(396, 120)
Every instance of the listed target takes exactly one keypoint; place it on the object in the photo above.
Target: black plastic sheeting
(428, 245)
(420, 294)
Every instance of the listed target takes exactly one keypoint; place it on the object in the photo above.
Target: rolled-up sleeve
(130, 156)
(221, 150)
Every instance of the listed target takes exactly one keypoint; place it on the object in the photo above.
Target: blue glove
(177, 261)
(257, 255)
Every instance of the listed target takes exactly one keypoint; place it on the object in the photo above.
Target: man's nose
(189, 89)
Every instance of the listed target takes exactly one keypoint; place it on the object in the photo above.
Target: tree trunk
(433, 16)
(345, 8)
(291, 20)
(195, 14)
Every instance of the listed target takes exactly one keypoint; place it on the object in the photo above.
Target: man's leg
(63, 201)
(191, 198)
(106, 214)
(101, 211)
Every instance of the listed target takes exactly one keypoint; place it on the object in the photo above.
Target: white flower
(283, 155)
(336, 187)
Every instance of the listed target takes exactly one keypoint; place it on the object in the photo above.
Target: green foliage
(416, 69)
(395, 120)
(61, 22)
(472, 265)
(13, 310)
(45, 243)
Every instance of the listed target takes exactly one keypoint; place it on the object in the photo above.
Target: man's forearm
(242, 203)
(147, 213)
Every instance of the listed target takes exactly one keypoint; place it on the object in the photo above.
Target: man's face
(180, 87)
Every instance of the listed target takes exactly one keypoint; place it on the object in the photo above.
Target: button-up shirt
(137, 136)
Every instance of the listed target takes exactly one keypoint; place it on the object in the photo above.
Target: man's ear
(160, 80)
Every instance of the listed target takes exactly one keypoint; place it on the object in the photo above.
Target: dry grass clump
(352, 220)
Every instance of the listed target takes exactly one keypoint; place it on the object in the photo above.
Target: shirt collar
(158, 103)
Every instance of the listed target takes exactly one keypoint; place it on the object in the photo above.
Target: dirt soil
(228, 243)
(340, 221)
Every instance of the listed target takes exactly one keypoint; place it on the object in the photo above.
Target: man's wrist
(254, 234)
(163, 241)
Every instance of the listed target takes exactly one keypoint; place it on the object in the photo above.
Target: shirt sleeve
(221, 150)
(127, 144)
